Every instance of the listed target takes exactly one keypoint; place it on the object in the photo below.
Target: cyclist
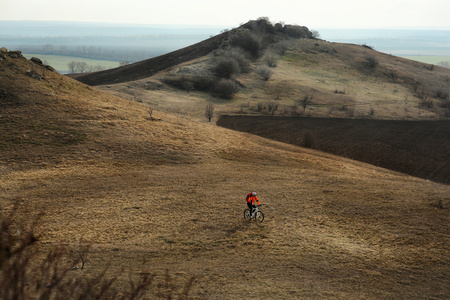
(251, 199)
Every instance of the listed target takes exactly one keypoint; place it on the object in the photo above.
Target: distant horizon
(344, 14)
(225, 27)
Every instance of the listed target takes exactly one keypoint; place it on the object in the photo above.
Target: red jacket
(251, 199)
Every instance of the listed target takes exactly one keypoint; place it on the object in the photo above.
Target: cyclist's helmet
(254, 194)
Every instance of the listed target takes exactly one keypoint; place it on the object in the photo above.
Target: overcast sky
(231, 13)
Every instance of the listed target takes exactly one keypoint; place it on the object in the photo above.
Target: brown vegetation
(165, 195)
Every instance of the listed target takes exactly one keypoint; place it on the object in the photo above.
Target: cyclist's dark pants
(250, 206)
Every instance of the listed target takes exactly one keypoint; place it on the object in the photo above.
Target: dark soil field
(418, 148)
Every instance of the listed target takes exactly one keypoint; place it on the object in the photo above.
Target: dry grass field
(165, 196)
(335, 76)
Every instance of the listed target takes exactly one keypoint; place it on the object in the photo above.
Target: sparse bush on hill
(190, 82)
(297, 31)
(248, 41)
(315, 34)
(264, 71)
(239, 56)
(271, 59)
(225, 88)
(429, 67)
(308, 140)
(441, 93)
(336, 91)
(307, 100)
(282, 46)
(426, 104)
(226, 67)
(367, 46)
(372, 61)
(392, 75)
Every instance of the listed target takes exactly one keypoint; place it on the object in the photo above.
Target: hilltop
(287, 72)
(156, 192)
(335, 79)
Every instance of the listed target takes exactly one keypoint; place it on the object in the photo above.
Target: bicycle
(257, 214)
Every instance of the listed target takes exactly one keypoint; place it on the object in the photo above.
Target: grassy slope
(168, 194)
(315, 68)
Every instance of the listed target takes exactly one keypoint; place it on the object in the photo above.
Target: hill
(161, 192)
(307, 77)
(336, 79)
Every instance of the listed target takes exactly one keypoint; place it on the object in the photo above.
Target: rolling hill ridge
(163, 193)
(307, 77)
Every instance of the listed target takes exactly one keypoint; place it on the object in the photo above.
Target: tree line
(93, 52)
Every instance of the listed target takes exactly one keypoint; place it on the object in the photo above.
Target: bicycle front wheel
(247, 214)
(259, 216)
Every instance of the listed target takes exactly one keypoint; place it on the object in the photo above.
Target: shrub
(239, 56)
(230, 63)
(426, 104)
(297, 31)
(190, 82)
(392, 75)
(372, 61)
(336, 91)
(307, 100)
(264, 71)
(308, 140)
(272, 107)
(367, 46)
(225, 88)
(441, 93)
(249, 42)
(271, 59)
(282, 46)
(226, 67)
(315, 34)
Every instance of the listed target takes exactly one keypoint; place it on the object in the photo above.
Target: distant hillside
(336, 79)
(149, 67)
(352, 95)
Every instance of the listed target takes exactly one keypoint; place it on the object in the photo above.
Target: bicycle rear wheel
(247, 214)
(259, 216)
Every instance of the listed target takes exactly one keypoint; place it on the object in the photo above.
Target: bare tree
(150, 112)
(209, 111)
(307, 100)
(315, 34)
(81, 67)
(72, 65)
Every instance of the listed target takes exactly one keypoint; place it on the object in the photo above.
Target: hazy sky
(231, 13)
